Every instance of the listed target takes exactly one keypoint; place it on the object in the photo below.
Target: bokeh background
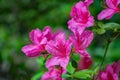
(19, 17)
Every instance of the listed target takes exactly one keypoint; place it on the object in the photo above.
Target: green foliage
(37, 76)
(70, 68)
(83, 74)
(65, 75)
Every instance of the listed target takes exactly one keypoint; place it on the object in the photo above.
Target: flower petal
(52, 49)
(47, 32)
(82, 41)
(85, 63)
(74, 26)
(31, 50)
(83, 53)
(107, 13)
(112, 3)
(90, 21)
(88, 2)
(54, 61)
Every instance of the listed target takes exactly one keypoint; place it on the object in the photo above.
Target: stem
(105, 53)
(115, 36)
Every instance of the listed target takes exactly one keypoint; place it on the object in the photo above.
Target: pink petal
(87, 36)
(90, 21)
(43, 41)
(85, 63)
(89, 2)
(103, 76)
(112, 3)
(64, 62)
(47, 32)
(52, 74)
(51, 48)
(82, 41)
(56, 61)
(83, 53)
(53, 62)
(31, 50)
(34, 34)
(107, 13)
(81, 15)
(60, 38)
(69, 46)
(74, 26)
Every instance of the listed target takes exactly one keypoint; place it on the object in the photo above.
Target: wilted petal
(107, 13)
(31, 50)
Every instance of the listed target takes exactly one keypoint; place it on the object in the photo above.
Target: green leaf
(37, 76)
(40, 60)
(99, 31)
(82, 74)
(100, 24)
(76, 57)
(111, 26)
(70, 68)
(65, 75)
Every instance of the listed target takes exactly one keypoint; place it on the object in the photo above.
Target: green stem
(105, 53)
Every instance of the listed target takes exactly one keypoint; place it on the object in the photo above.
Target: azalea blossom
(53, 74)
(82, 41)
(81, 17)
(39, 40)
(60, 50)
(111, 73)
(113, 8)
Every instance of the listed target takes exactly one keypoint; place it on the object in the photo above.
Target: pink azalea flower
(60, 50)
(82, 41)
(81, 17)
(39, 40)
(53, 74)
(112, 9)
(85, 63)
(111, 73)
(116, 67)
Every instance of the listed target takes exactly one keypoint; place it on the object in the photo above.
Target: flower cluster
(59, 48)
(56, 45)
(111, 72)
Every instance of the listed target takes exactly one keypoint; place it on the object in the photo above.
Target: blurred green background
(19, 17)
